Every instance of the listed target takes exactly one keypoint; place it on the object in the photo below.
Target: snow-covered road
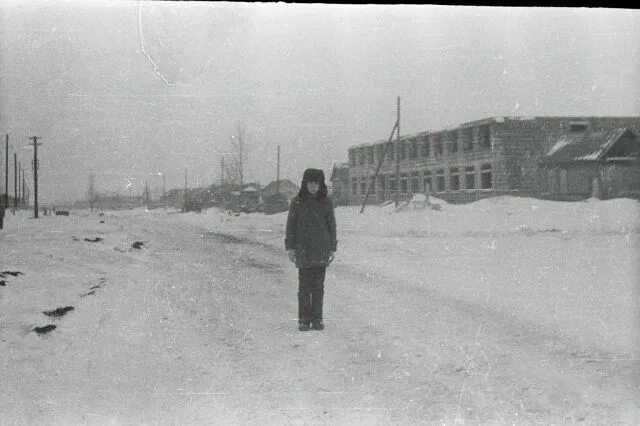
(198, 326)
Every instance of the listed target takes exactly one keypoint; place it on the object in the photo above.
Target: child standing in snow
(311, 244)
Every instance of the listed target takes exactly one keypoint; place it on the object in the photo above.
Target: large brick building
(502, 155)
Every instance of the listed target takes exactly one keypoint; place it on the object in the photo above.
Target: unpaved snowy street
(196, 324)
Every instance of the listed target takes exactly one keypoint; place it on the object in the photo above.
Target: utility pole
(222, 171)
(398, 155)
(278, 173)
(35, 174)
(19, 202)
(184, 201)
(6, 173)
(15, 182)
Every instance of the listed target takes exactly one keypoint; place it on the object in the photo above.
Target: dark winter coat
(311, 231)
(311, 224)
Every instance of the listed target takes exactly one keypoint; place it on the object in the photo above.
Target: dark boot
(303, 326)
(318, 325)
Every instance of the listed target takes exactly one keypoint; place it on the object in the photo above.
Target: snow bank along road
(196, 325)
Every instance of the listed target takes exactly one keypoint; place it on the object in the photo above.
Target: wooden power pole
(6, 172)
(15, 182)
(35, 174)
(398, 155)
(278, 173)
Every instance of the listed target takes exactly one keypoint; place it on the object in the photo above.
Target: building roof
(584, 146)
(340, 171)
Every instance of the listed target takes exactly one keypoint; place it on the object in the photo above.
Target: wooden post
(6, 173)
(15, 182)
(35, 175)
(278, 173)
(398, 156)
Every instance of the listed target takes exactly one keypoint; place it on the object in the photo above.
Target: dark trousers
(310, 293)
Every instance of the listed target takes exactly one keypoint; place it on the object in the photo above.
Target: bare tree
(91, 191)
(239, 144)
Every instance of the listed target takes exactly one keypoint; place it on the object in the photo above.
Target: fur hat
(313, 175)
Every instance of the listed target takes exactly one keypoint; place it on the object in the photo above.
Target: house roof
(584, 146)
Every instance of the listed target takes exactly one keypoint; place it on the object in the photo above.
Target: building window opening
(439, 146)
(467, 136)
(354, 188)
(404, 182)
(454, 179)
(440, 180)
(391, 152)
(486, 177)
(453, 142)
(578, 126)
(485, 136)
(469, 177)
(415, 182)
(413, 149)
(392, 182)
(427, 186)
(401, 150)
(426, 149)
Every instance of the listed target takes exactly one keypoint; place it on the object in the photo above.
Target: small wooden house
(600, 164)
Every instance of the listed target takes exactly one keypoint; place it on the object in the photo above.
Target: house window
(454, 179)
(415, 181)
(413, 149)
(363, 186)
(382, 181)
(354, 188)
(469, 177)
(440, 180)
(453, 142)
(467, 139)
(486, 178)
(404, 182)
(426, 149)
(426, 181)
(485, 136)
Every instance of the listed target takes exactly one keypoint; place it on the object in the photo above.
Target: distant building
(340, 183)
(286, 187)
(503, 155)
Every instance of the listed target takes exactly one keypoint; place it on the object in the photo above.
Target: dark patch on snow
(4, 274)
(273, 268)
(58, 312)
(226, 238)
(44, 329)
(3, 283)
(88, 294)
(95, 287)
(75, 238)
(137, 245)
(93, 240)
(62, 213)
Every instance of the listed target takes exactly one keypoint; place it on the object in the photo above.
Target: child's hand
(332, 255)
(292, 255)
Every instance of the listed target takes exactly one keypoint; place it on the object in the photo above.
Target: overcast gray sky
(129, 89)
